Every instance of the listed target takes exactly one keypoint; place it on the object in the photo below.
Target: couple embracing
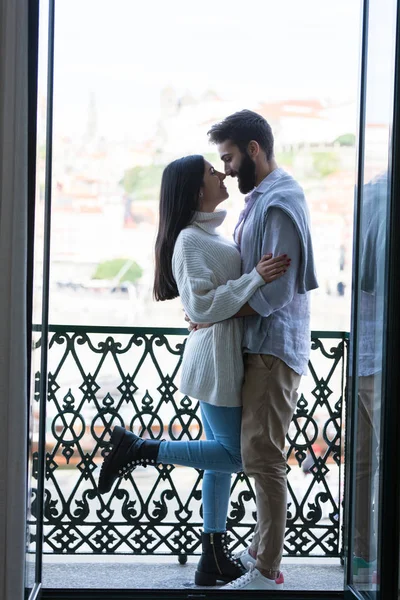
(247, 304)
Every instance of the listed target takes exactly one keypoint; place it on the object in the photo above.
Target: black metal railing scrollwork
(100, 377)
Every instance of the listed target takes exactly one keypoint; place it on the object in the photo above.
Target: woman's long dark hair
(179, 199)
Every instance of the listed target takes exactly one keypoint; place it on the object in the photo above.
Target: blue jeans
(218, 456)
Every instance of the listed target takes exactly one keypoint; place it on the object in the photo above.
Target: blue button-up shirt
(278, 222)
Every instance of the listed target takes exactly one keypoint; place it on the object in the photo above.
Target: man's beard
(246, 174)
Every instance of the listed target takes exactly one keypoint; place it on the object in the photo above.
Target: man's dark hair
(241, 128)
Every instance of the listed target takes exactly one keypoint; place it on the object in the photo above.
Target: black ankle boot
(128, 452)
(216, 562)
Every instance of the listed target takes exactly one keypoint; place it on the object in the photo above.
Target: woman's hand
(272, 268)
(195, 326)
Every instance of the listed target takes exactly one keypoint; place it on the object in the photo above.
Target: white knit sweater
(207, 268)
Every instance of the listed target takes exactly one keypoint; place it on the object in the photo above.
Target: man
(369, 369)
(277, 328)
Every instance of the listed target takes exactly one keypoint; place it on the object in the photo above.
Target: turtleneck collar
(209, 221)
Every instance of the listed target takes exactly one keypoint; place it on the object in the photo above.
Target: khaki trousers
(269, 399)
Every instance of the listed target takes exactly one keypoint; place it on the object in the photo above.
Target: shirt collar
(268, 181)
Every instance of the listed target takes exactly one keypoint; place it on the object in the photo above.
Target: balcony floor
(166, 573)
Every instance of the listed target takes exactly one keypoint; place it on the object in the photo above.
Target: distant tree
(347, 139)
(325, 163)
(285, 158)
(120, 269)
(143, 182)
(214, 159)
(42, 151)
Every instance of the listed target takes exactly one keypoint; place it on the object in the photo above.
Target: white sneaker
(253, 580)
(245, 558)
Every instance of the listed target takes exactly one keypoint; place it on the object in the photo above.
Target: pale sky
(126, 51)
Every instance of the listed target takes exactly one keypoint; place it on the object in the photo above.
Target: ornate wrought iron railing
(102, 376)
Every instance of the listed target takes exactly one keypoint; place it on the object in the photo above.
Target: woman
(194, 262)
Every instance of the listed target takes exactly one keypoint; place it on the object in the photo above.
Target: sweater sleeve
(202, 299)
